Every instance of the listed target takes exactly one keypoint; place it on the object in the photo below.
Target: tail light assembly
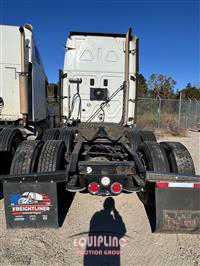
(94, 188)
(116, 188)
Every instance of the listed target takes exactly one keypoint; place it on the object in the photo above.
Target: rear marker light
(196, 185)
(116, 188)
(93, 188)
(161, 184)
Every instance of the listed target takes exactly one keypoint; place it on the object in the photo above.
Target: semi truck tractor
(99, 150)
(23, 89)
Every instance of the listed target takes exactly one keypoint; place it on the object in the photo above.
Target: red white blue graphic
(30, 203)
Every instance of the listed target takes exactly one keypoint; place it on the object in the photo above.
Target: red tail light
(116, 188)
(93, 187)
(161, 184)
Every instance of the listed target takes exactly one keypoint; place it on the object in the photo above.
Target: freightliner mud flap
(177, 203)
(30, 201)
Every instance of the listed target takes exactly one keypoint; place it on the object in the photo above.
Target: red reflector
(116, 188)
(161, 184)
(196, 185)
(93, 187)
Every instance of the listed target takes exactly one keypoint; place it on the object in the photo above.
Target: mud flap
(31, 204)
(177, 210)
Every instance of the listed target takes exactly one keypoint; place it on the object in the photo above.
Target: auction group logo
(100, 245)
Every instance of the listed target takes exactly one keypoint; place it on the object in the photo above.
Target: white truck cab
(23, 82)
(94, 67)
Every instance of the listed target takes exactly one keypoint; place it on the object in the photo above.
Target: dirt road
(54, 247)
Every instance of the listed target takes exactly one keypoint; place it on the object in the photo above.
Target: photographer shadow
(109, 224)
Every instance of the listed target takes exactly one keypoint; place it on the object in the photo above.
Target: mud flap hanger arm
(58, 176)
(171, 177)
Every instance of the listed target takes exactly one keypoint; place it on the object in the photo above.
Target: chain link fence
(167, 113)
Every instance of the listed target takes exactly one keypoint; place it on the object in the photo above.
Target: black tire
(51, 134)
(179, 158)
(67, 135)
(147, 135)
(10, 138)
(154, 158)
(134, 139)
(26, 157)
(52, 156)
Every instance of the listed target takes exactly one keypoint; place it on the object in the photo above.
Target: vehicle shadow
(109, 224)
(65, 199)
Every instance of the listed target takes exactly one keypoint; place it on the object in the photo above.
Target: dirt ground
(54, 247)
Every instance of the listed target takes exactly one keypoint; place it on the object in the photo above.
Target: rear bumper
(175, 210)
(123, 173)
(63, 176)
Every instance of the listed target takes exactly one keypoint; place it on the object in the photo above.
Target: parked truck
(23, 89)
(99, 150)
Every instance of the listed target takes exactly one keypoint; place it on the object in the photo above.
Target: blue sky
(169, 31)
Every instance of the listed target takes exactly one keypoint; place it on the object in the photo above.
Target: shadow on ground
(109, 224)
(151, 214)
(65, 199)
(1, 190)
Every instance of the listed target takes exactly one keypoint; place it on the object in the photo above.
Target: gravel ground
(54, 247)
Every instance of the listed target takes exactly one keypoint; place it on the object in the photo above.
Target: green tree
(162, 85)
(142, 86)
(192, 92)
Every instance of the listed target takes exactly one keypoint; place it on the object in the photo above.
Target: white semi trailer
(23, 87)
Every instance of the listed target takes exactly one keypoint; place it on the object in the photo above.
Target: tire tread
(25, 158)
(51, 155)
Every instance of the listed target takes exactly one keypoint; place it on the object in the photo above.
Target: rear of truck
(98, 60)
(98, 150)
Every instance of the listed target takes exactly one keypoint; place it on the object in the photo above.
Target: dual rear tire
(26, 158)
(180, 160)
(42, 156)
(154, 158)
(52, 156)
(136, 137)
(64, 134)
(166, 157)
(51, 134)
